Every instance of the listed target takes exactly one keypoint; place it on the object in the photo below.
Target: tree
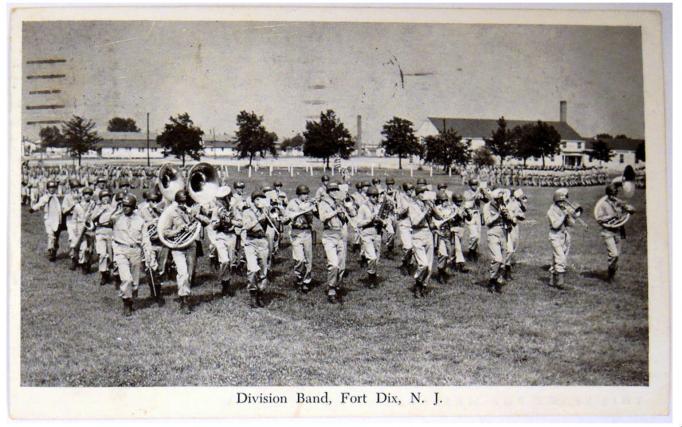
(501, 142)
(327, 138)
(537, 139)
(446, 149)
(295, 142)
(252, 138)
(119, 124)
(399, 139)
(601, 151)
(79, 137)
(604, 136)
(181, 138)
(51, 136)
(640, 153)
(621, 136)
(483, 157)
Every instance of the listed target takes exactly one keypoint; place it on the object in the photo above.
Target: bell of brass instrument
(573, 209)
(203, 183)
(170, 181)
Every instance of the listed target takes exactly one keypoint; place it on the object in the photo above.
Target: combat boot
(507, 272)
(305, 288)
(127, 307)
(473, 256)
(253, 299)
(259, 298)
(559, 282)
(331, 297)
(499, 283)
(416, 289)
(85, 267)
(74, 264)
(461, 267)
(226, 288)
(372, 280)
(135, 293)
(51, 255)
(492, 285)
(159, 298)
(103, 278)
(184, 305)
(613, 267)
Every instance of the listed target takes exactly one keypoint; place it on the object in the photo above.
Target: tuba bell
(203, 183)
(170, 181)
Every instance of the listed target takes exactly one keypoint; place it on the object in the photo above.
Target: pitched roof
(142, 143)
(625, 144)
(483, 128)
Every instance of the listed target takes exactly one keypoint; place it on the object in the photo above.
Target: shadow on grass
(598, 274)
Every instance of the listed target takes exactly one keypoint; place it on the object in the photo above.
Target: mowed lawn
(73, 332)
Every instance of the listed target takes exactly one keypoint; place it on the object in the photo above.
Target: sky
(289, 72)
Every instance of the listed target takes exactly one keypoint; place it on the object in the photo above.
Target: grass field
(595, 333)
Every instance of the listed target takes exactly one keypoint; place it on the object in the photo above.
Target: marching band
(165, 233)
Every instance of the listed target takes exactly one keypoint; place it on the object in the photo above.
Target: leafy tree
(327, 138)
(295, 142)
(604, 136)
(252, 138)
(640, 153)
(79, 137)
(51, 136)
(399, 139)
(446, 149)
(501, 141)
(536, 140)
(119, 124)
(483, 157)
(621, 136)
(181, 138)
(601, 151)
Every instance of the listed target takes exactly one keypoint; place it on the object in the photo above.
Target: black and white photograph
(246, 203)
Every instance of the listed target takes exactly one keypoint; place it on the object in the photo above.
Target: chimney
(562, 111)
(358, 138)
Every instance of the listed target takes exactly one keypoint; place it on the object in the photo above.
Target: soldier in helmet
(473, 199)
(300, 213)
(559, 237)
(359, 198)
(391, 197)
(457, 232)
(83, 216)
(131, 245)
(103, 235)
(333, 218)
(322, 189)
(52, 217)
(225, 221)
(609, 208)
(71, 199)
(420, 212)
(517, 211)
(255, 221)
(443, 214)
(370, 226)
(403, 202)
(180, 218)
(496, 220)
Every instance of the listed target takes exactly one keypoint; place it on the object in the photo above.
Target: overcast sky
(289, 72)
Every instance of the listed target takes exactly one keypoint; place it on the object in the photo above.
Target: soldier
(607, 209)
(370, 226)
(420, 212)
(52, 218)
(443, 186)
(333, 218)
(559, 221)
(496, 218)
(225, 222)
(404, 200)
(150, 212)
(391, 196)
(376, 183)
(272, 229)
(101, 185)
(85, 241)
(180, 218)
(443, 214)
(457, 232)
(130, 244)
(322, 189)
(359, 199)
(300, 213)
(71, 199)
(473, 197)
(103, 235)
(255, 221)
(517, 212)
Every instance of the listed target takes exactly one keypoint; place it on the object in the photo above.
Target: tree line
(327, 138)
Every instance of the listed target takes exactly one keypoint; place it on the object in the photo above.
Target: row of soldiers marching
(246, 232)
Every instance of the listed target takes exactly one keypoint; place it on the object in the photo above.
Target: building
(133, 145)
(575, 149)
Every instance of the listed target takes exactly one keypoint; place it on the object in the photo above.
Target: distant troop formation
(181, 213)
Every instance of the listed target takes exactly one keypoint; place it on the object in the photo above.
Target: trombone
(575, 211)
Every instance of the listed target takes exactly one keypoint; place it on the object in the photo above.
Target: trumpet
(89, 223)
(575, 211)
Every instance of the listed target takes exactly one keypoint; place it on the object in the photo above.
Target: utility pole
(147, 139)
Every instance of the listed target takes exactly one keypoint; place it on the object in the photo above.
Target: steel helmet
(560, 195)
(373, 191)
(302, 189)
(129, 200)
(442, 196)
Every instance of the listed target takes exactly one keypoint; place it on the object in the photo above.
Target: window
(622, 158)
(563, 144)
(580, 146)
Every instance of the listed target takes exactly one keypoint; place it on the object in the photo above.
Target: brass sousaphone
(170, 181)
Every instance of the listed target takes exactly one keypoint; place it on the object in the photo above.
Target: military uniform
(497, 241)
(517, 212)
(606, 209)
(333, 243)
(560, 239)
(472, 201)
(256, 250)
(104, 229)
(370, 227)
(184, 259)
(52, 218)
(222, 231)
(422, 241)
(82, 214)
(69, 202)
(301, 240)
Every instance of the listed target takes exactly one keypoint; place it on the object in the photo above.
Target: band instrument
(574, 211)
(618, 221)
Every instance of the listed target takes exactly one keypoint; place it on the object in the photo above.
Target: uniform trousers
(129, 262)
(371, 247)
(226, 247)
(612, 242)
(497, 244)
(103, 247)
(422, 241)
(456, 236)
(561, 244)
(334, 250)
(185, 260)
(256, 251)
(302, 253)
(512, 244)
(473, 227)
